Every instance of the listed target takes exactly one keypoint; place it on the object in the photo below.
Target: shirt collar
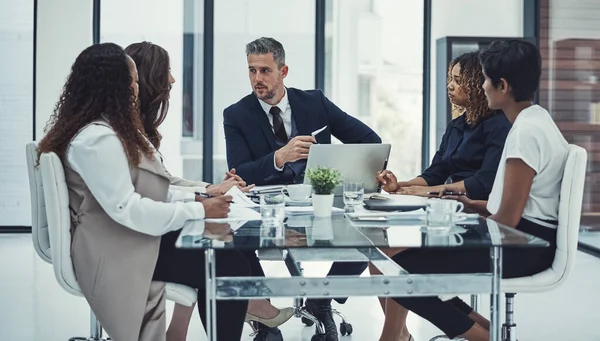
(282, 105)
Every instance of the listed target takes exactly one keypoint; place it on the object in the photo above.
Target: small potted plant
(323, 181)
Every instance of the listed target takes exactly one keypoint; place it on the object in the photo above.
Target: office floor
(34, 307)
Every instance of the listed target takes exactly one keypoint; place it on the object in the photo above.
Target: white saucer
(290, 202)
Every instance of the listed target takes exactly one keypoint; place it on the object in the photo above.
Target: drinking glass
(272, 208)
(354, 193)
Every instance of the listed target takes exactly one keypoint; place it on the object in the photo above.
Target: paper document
(240, 199)
(363, 213)
(295, 210)
(238, 213)
(235, 225)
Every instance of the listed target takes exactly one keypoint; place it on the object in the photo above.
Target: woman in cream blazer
(121, 201)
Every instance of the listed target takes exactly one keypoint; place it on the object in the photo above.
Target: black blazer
(251, 143)
(471, 154)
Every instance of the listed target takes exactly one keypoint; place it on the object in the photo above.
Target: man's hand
(217, 207)
(232, 174)
(296, 149)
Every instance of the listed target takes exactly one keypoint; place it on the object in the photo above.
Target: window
(238, 22)
(175, 26)
(364, 96)
(16, 110)
(374, 71)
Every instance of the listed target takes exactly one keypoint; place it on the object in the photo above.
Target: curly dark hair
(98, 88)
(471, 79)
(153, 65)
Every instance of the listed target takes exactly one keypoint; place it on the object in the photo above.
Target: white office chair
(39, 223)
(569, 215)
(51, 226)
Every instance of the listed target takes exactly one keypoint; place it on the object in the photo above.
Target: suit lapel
(260, 117)
(299, 114)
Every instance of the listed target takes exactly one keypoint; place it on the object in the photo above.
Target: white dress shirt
(98, 156)
(286, 116)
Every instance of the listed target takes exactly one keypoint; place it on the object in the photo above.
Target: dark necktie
(278, 127)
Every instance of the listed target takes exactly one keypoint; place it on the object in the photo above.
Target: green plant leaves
(324, 179)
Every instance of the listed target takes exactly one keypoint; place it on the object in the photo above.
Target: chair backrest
(56, 196)
(569, 211)
(39, 223)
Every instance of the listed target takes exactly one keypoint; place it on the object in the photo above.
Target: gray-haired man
(268, 135)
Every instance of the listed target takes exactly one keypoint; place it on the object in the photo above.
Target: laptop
(356, 162)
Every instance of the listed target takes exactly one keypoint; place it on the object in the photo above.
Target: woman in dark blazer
(471, 147)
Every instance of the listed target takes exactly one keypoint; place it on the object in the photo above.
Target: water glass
(272, 231)
(354, 193)
(272, 208)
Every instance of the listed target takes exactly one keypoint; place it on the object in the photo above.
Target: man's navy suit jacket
(251, 144)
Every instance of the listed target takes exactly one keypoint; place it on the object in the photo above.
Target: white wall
(64, 29)
(482, 18)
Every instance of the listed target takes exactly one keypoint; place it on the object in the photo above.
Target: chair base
(309, 319)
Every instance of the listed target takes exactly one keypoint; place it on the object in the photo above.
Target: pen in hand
(208, 196)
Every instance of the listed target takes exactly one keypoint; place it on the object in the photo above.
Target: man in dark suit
(269, 132)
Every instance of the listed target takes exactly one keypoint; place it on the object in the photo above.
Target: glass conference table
(344, 237)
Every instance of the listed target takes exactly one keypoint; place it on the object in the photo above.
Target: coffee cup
(298, 192)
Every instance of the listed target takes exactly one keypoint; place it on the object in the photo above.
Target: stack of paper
(266, 189)
(240, 199)
(309, 210)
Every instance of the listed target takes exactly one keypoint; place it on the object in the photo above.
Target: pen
(317, 132)
(379, 182)
(206, 195)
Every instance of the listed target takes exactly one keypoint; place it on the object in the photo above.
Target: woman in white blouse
(155, 83)
(525, 194)
(121, 202)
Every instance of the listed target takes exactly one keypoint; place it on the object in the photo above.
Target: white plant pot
(322, 204)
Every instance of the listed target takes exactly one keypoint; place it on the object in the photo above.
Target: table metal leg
(475, 302)
(496, 260)
(211, 294)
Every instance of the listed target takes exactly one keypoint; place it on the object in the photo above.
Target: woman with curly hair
(468, 157)
(121, 203)
(471, 147)
(155, 83)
